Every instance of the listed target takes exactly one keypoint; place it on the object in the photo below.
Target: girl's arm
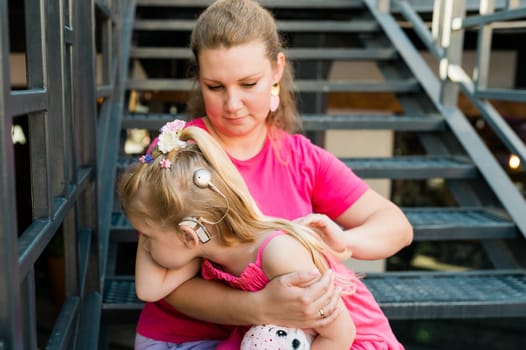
(285, 254)
(152, 281)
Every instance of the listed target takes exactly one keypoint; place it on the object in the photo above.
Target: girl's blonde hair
(167, 195)
(228, 23)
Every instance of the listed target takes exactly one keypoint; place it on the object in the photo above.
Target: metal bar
(56, 115)
(30, 322)
(109, 128)
(64, 328)
(501, 94)
(106, 52)
(453, 44)
(68, 35)
(420, 28)
(481, 70)
(35, 45)
(104, 9)
(504, 15)
(426, 6)
(11, 326)
(104, 91)
(36, 237)
(28, 101)
(384, 5)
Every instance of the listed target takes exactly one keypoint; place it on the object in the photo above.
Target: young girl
(189, 203)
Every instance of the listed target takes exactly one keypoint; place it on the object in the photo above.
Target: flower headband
(167, 141)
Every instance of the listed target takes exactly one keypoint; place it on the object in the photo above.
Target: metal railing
(62, 104)
(445, 40)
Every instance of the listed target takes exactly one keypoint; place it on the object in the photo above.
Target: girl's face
(166, 245)
(236, 84)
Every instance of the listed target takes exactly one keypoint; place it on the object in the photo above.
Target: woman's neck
(241, 147)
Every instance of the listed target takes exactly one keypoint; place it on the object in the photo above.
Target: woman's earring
(274, 97)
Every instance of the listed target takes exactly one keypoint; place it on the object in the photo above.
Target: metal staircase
(90, 63)
(485, 206)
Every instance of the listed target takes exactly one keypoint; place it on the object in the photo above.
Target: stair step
(421, 123)
(412, 167)
(428, 224)
(459, 224)
(399, 167)
(301, 85)
(314, 53)
(151, 121)
(402, 295)
(303, 26)
(316, 122)
(311, 4)
(119, 300)
(438, 295)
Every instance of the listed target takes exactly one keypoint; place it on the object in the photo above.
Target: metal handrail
(475, 91)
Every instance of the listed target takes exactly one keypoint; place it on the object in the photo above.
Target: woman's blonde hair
(228, 23)
(167, 195)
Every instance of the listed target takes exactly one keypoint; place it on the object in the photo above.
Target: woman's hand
(300, 300)
(329, 231)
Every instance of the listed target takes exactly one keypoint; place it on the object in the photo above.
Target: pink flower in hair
(165, 164)
(169, 136)
(176, 126)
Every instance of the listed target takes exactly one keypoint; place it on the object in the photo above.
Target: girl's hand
(329, 231)
(300, 300)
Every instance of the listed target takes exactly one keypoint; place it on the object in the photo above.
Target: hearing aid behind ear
(196, 225)
(202, 178)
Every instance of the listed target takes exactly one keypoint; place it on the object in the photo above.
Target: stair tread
(317, 26)
(266, 3)
(413, 167)
(410, 294)
(429, 223)
(306, 53)
(396, 167)
(303, 85)
(449, 294)
(311, 122)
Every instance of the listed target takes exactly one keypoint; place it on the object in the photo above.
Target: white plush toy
(270, 337)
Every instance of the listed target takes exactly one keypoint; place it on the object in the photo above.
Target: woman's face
(236, 84)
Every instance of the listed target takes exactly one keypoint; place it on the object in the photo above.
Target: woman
(245, 92)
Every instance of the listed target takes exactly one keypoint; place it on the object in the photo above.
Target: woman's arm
(152, 281)
(292, 299)
(277, 260)
(375, 228)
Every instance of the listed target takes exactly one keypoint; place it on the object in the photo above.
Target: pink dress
(373, 331)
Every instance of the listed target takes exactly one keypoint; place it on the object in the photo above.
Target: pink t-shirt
(301, 179)
(372, 327)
